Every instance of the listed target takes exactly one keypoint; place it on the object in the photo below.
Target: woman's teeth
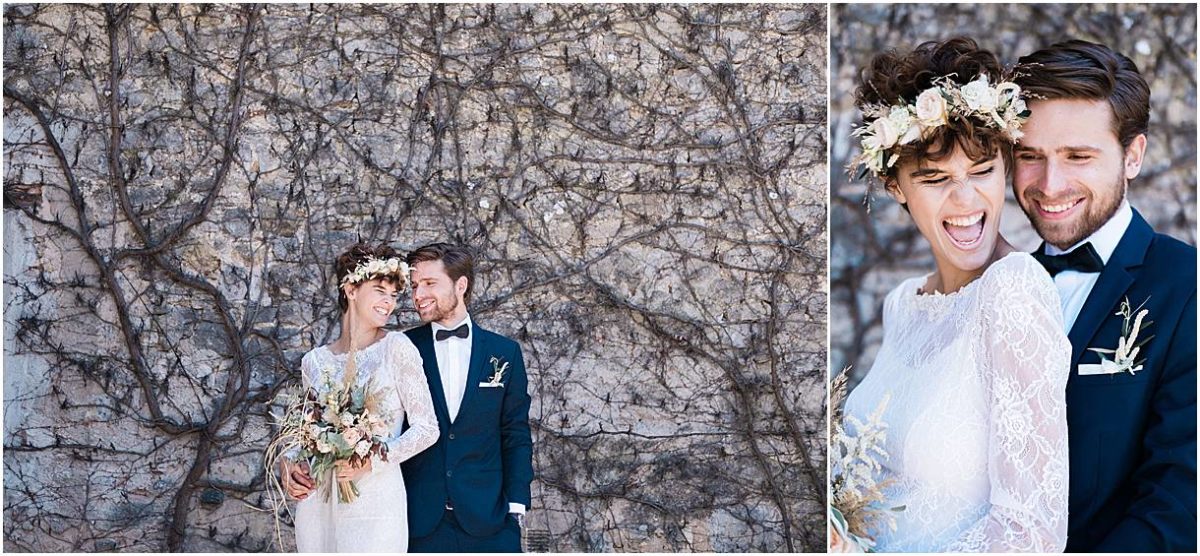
(965, 230)
(964, 221)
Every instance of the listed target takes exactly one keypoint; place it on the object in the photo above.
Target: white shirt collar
(467, 319)
(1105, 239)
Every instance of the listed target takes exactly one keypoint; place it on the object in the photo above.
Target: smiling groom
(468, 492)
(1128, 299)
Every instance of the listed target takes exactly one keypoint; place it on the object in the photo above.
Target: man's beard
(1092, 219)
(439, 313)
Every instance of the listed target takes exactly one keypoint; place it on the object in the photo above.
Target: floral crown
(373, 268)
(1000, 107)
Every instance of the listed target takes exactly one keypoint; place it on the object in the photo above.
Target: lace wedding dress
(976, 419)
(378, 520)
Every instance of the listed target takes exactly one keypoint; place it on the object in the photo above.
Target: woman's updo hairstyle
(895, 79)
(362, 254)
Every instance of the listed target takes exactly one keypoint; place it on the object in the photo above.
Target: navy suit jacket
(1133, 437)
(482, 461)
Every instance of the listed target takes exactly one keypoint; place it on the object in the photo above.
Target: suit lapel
(1114, 281)
(479, 357)
(423, 339)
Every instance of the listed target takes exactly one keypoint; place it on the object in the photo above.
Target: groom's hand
(296, 480)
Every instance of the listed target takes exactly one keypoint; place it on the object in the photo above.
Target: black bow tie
(461, 332)
(1083, 259)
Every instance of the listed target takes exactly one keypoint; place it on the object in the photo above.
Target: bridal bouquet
(857, 503)
(339, 422)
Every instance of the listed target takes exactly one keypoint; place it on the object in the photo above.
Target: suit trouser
(449, 536)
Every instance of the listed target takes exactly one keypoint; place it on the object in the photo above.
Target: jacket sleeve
(516, 442)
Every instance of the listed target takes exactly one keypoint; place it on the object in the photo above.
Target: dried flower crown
(373, 268)
(1000, 107)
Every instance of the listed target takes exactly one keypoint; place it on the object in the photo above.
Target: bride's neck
(361, 333)
(949, 279)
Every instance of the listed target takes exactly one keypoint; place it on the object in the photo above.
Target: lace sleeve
(308, 377)
(413, 391)
(1025, 363)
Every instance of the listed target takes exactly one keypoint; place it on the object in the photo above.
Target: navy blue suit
(1133, 437)
(483, 460)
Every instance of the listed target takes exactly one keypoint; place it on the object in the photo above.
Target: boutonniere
(499, 367)
(1124, 358)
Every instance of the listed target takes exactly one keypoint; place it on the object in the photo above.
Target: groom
(1132, 419)
(469, 492)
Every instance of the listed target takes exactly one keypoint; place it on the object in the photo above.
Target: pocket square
(491, 385)
(1098, 369)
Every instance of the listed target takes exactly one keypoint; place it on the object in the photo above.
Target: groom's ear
(1134, 154)
(460, 286)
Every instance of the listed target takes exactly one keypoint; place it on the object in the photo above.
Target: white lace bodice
(977, 422)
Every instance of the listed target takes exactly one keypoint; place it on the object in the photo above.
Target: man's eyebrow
(1077, 148)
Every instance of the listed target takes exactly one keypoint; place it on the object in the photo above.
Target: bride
(370, 280)
(974, 361)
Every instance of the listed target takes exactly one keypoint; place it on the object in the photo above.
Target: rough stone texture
(645, 186)
(872, 252)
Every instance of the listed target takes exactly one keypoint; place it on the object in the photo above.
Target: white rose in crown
(905, 125)
(979, 96)
(931, 108)
(885, 132)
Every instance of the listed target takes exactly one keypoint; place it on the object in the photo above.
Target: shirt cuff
(515, 508)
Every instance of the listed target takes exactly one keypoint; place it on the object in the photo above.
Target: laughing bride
(974, 357)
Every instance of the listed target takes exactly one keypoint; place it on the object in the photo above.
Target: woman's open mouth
(965, 231)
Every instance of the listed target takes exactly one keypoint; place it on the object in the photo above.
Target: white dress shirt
(1073, 286)
(454, 362)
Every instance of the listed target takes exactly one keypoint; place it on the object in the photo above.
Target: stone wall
(871, 252)
(645, 187)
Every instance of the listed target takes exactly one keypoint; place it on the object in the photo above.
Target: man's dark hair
(458, 261)
(1090, 71)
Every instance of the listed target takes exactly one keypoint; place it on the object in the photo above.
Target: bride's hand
(348, 472)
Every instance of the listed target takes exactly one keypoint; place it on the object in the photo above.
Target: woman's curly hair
(892, 78)
(358, 254)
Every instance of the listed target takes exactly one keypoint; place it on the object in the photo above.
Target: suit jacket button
(449, 473)
(451, 436)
